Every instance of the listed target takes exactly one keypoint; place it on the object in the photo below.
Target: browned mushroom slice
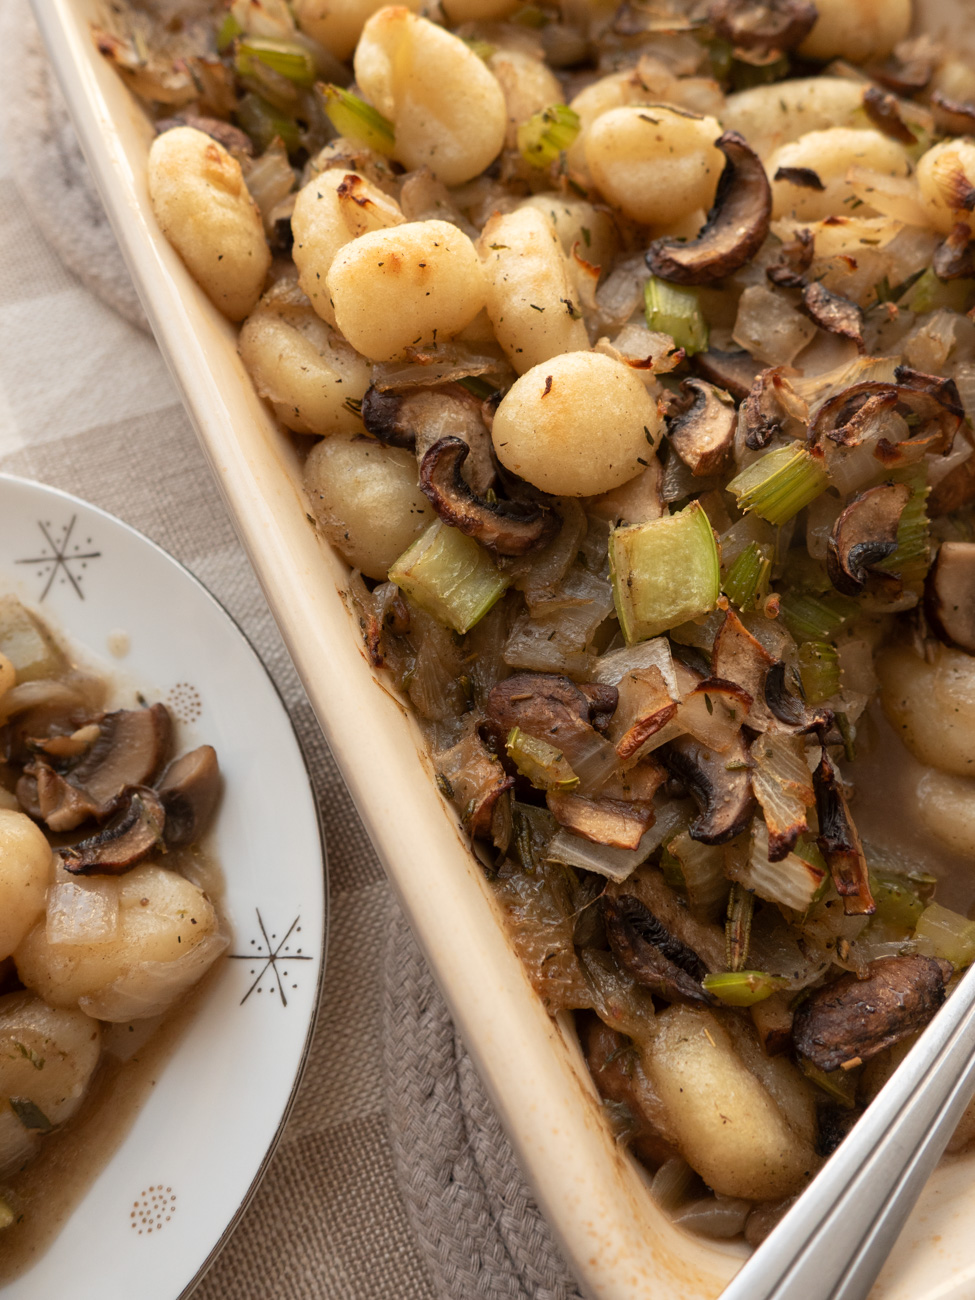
(386, 416)
(507, 527)
(719, 784)
(949, 595)
(803, 177)
(788, 708)
(602, 703)
(188, 791)
(738, 657)
(884, 112)
(736, 225)
(703, 435)
(847, 417)
(954, 258)
(652, 955)
(761, 414)
(833, 313)
(132, 748)
(544, 705)
(419, 417)
(795, 259)
(952, 116)
(763, 25)
(129, 837)
(864, 534)
(909, 70)
(853, 1019)
(934, 399)
(733, 371)
(601, 821)
(840, 843)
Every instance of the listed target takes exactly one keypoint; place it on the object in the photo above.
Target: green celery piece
(286, 58)
(929, 293)
(743, 988)
(449, 576)
(264, 123)
(664, 572)
(898, 902)
(354, 118)
(819, 670)
(747, 578)
(227, 33)
(840, 1084)
(912, 557)
(547, 133)
(814, 618)
(777, 485)
(943, 933)
(676, 312)
(543, 764)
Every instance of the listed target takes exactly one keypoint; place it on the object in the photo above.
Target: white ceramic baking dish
(620, 1246)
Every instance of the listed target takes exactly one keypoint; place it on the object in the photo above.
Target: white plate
(198, 1146)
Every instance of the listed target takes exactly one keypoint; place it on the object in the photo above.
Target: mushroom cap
(703, 435)
(864, 534)
(949, 594)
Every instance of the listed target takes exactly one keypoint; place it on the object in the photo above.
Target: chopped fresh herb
(30, 1114)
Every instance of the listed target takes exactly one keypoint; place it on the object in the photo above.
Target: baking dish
(618, 1243)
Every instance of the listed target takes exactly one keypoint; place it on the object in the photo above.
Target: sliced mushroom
(738, 657)
(733, 371)
(188, 791)
(507, 527)
(418, 417)
(952, 116)
(131, 750)
(602, 703)
(234, 140)
(601, 821)
(954, 258)
(931, 400)
(803, 177)
(703, 435)
(543, 705)
(840, 843)
(910, 68)
(847, 417)
(864, 534)
(884, 112)
(761, 415)
(949, 595)
(719, 784)
(853, 1019)
(652, 955)
(788, 708)
(129, 837)
(833, 313)
(736, 225)
(795, 259)
(763, 25)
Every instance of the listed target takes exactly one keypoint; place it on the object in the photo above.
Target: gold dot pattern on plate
(184, 700)
(153, 1210)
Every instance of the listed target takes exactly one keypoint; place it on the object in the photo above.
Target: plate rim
(19, 480)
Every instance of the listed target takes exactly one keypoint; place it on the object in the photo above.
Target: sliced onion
(442, 365)
(702, 866)
(793, 882)
(892, 196)
(782, 784)
(150, 987)
(621, 293)
(550, 565)
(927, 347)
(719, 1217)
(617, 864)
(82, 910)
(610, 669)
(671, 1183)
(270, 179)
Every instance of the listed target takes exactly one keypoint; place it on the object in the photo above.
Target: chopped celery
(483, 49)
(930, 293)
(286, 58)
(899, 904)
(746, 581)
(540, 762)
(809, 618)
(743, 988)
(227, 33)
(354, 118)
(7, 1215)
(547, 133)
(676, 312)
(943, 933)
(745, 73)
(841, 1085)
(819, 671)
(912, 557)
(450, 576)
(664, 572)
(777, 485)
(263, 123)
(673, 872)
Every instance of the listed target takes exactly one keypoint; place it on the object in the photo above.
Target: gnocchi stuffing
(104, 914)
(639, 351)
